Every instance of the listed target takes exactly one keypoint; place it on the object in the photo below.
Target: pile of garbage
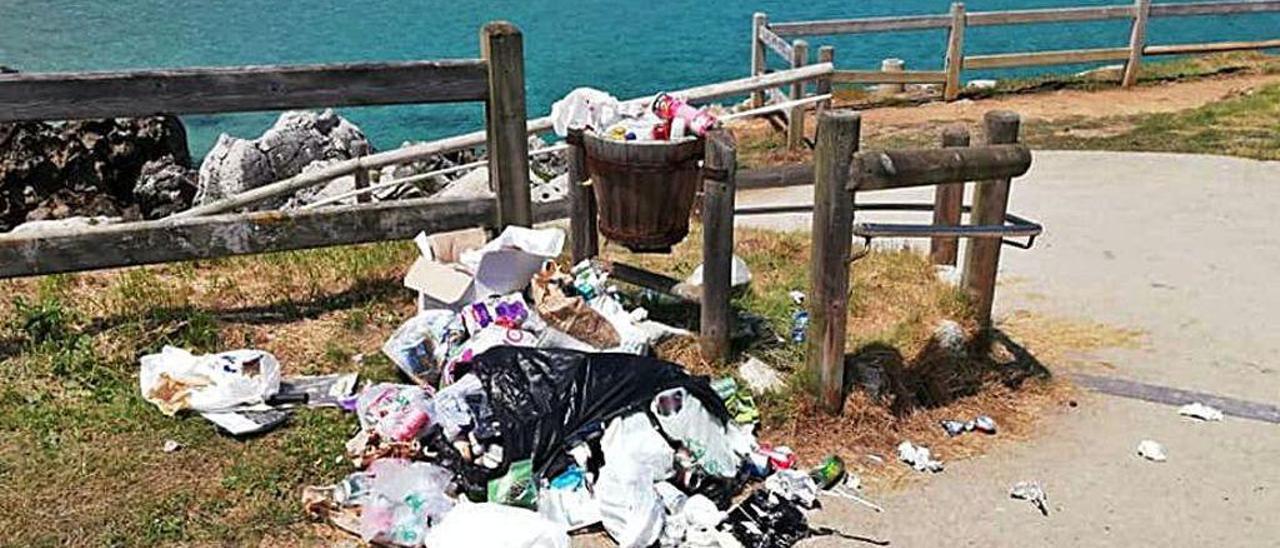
(666, 118)
(533, 402)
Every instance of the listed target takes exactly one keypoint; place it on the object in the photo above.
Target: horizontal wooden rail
(879, 170)
(796, 174)
(64, 96)
(1065, 57)
(856, 26)
(1215, 47)
(881, 77)
(149, 242)
(1214, 8)
(776, 43)
(1048, 15)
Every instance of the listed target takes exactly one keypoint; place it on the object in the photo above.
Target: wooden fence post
(955, 52)
(795, 122)
(582, 202)
(508, 142)
(948, 200)
(990, 202)
(1137, 41)
(837, 140)
(826, 54)
(718, 189)
(361, 174)
(758, 62)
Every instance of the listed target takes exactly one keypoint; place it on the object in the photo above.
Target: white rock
(63, 224)
(233, 166)
(1200, 411)
(981, 84)
(475, 184)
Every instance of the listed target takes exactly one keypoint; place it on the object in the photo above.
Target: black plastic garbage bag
(542, 397)
(765, 520)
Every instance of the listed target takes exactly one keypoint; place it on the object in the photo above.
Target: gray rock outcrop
(298, 139)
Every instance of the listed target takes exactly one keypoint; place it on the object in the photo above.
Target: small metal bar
(895, 230)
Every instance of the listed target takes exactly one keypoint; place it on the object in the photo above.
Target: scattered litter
(799, 325)
(981, 423)
(1031, 491)
(797, 297)
(793, 485)
(171, 446)
(850, 489)
(247, 422)
(739, 274)
(760, 376)
(175, 379)
(738, 400)
(1200, 411)
(396, 412)
(1152, 451)
(315, 390)
(405, 499)
(829, 472)
(489, 524)
(587, 108)
(918, 457)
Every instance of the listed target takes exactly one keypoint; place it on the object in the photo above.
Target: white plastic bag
(405, 499)
(452, 412)
(685, 419)
(176, 379)
(630, 508)
(506, 264)
(634, 437)
(584, 108)
(396, 412)
(489, 524)
(422, 344)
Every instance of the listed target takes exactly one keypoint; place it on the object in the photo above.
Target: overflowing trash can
(645, 190)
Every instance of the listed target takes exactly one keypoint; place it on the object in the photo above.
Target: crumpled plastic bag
(396, 412)
(489, 524)
(175, 379)
(685, 419)
(570, 314)
(585, 108)
(918, 457)
(630, 508)
(453, 414)
(405, 499)
(793, 485)
(635, 437)
(425, 342)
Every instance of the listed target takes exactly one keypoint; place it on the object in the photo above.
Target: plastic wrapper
(483, 525)
(405, 499)
(489, 337)
(509, 311)
(543, 397)
(795, 486)
(918, 457)
(423, 343)
(175, 379)
(453, 413)
(567, 500)
(517, 487)
(395, 412)
(1031, 491)
(586, 108)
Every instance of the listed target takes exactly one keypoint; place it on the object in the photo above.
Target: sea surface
(629, 48)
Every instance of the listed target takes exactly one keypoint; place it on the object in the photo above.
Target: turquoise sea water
(628, 48)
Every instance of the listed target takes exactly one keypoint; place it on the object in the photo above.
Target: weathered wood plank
(826, 54)
(717, 244)
(1065, 57)
(795, 118)
(955, 52)
(838, 132)
(65, 96)
(758, 61)
(775, 43)
(148, 242)
(502, 45)
(885, 169)
(1049, 15)
(798, 174)
(948, 201)
(1214, 8)
(863, 25)
(990, 202)
(882, 77)
(1137, 40)
(583, 232)
(1215, 47)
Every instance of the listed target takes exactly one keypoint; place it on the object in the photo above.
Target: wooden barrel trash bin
(644, 189)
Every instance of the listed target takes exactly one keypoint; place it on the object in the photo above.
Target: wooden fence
(216, 229)
(841, 173)
(766, 36)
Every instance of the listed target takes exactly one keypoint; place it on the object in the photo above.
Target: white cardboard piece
(455, 269)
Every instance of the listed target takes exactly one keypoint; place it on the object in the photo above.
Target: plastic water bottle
(799, 325)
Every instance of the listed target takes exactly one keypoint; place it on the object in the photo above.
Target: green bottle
(828, 474)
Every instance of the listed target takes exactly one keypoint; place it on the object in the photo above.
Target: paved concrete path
(1180, 247)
